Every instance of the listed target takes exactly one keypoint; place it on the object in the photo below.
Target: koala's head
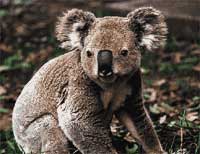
(110, 46)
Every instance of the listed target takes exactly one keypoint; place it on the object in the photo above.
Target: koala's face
(109, 50)
(110, 46)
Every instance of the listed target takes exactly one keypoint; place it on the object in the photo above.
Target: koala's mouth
(108, 79)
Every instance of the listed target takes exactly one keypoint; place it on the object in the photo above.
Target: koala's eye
(89, 54)
(124, 53)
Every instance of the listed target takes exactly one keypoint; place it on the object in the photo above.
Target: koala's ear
(72, 28)
(149, 27)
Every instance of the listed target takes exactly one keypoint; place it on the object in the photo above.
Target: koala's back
(42, 93)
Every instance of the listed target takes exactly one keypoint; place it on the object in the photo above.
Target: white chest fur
(115, 96)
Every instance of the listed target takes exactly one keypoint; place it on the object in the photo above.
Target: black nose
(105, 63)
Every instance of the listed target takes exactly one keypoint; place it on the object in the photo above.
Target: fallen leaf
(196, 52)
(159, 82)
(5, 122)
(21, 30)
(166, 108)
(177, 57)
(5, 48)
(4, 68)
(162, 119)
(173, 86)
(154, 109)
(181, 151)
(192, 116)
(171, 124)
(152, 94)
(144, 70)
(2, 90)
(196, 68)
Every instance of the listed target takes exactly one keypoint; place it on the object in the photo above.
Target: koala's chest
(115, 97)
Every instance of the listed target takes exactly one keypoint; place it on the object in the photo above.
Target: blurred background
(171, 75)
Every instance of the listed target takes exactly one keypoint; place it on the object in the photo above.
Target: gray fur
(149, 26)
(74, 22)
(66, 100)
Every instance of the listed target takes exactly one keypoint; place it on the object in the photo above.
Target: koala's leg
(136, 118)
(86, 129)
(44, 136)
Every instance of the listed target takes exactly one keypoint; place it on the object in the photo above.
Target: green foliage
(196, 98)
(148, 82)
(2, 79)
(3, 110)
(21, 2)
(12, 60)
(184, 123)
(58, 51)
(16, 61)
(3, 12)
(171, 44)
(146, 96)
(132, 150)
(184, 67)
(171, 124)
(197, 150)
(8, 144)
(148, 61)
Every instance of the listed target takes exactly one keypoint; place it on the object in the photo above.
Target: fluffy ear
(149, 27)
(72, 28)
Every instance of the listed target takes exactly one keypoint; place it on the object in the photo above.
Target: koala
(73, 97)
